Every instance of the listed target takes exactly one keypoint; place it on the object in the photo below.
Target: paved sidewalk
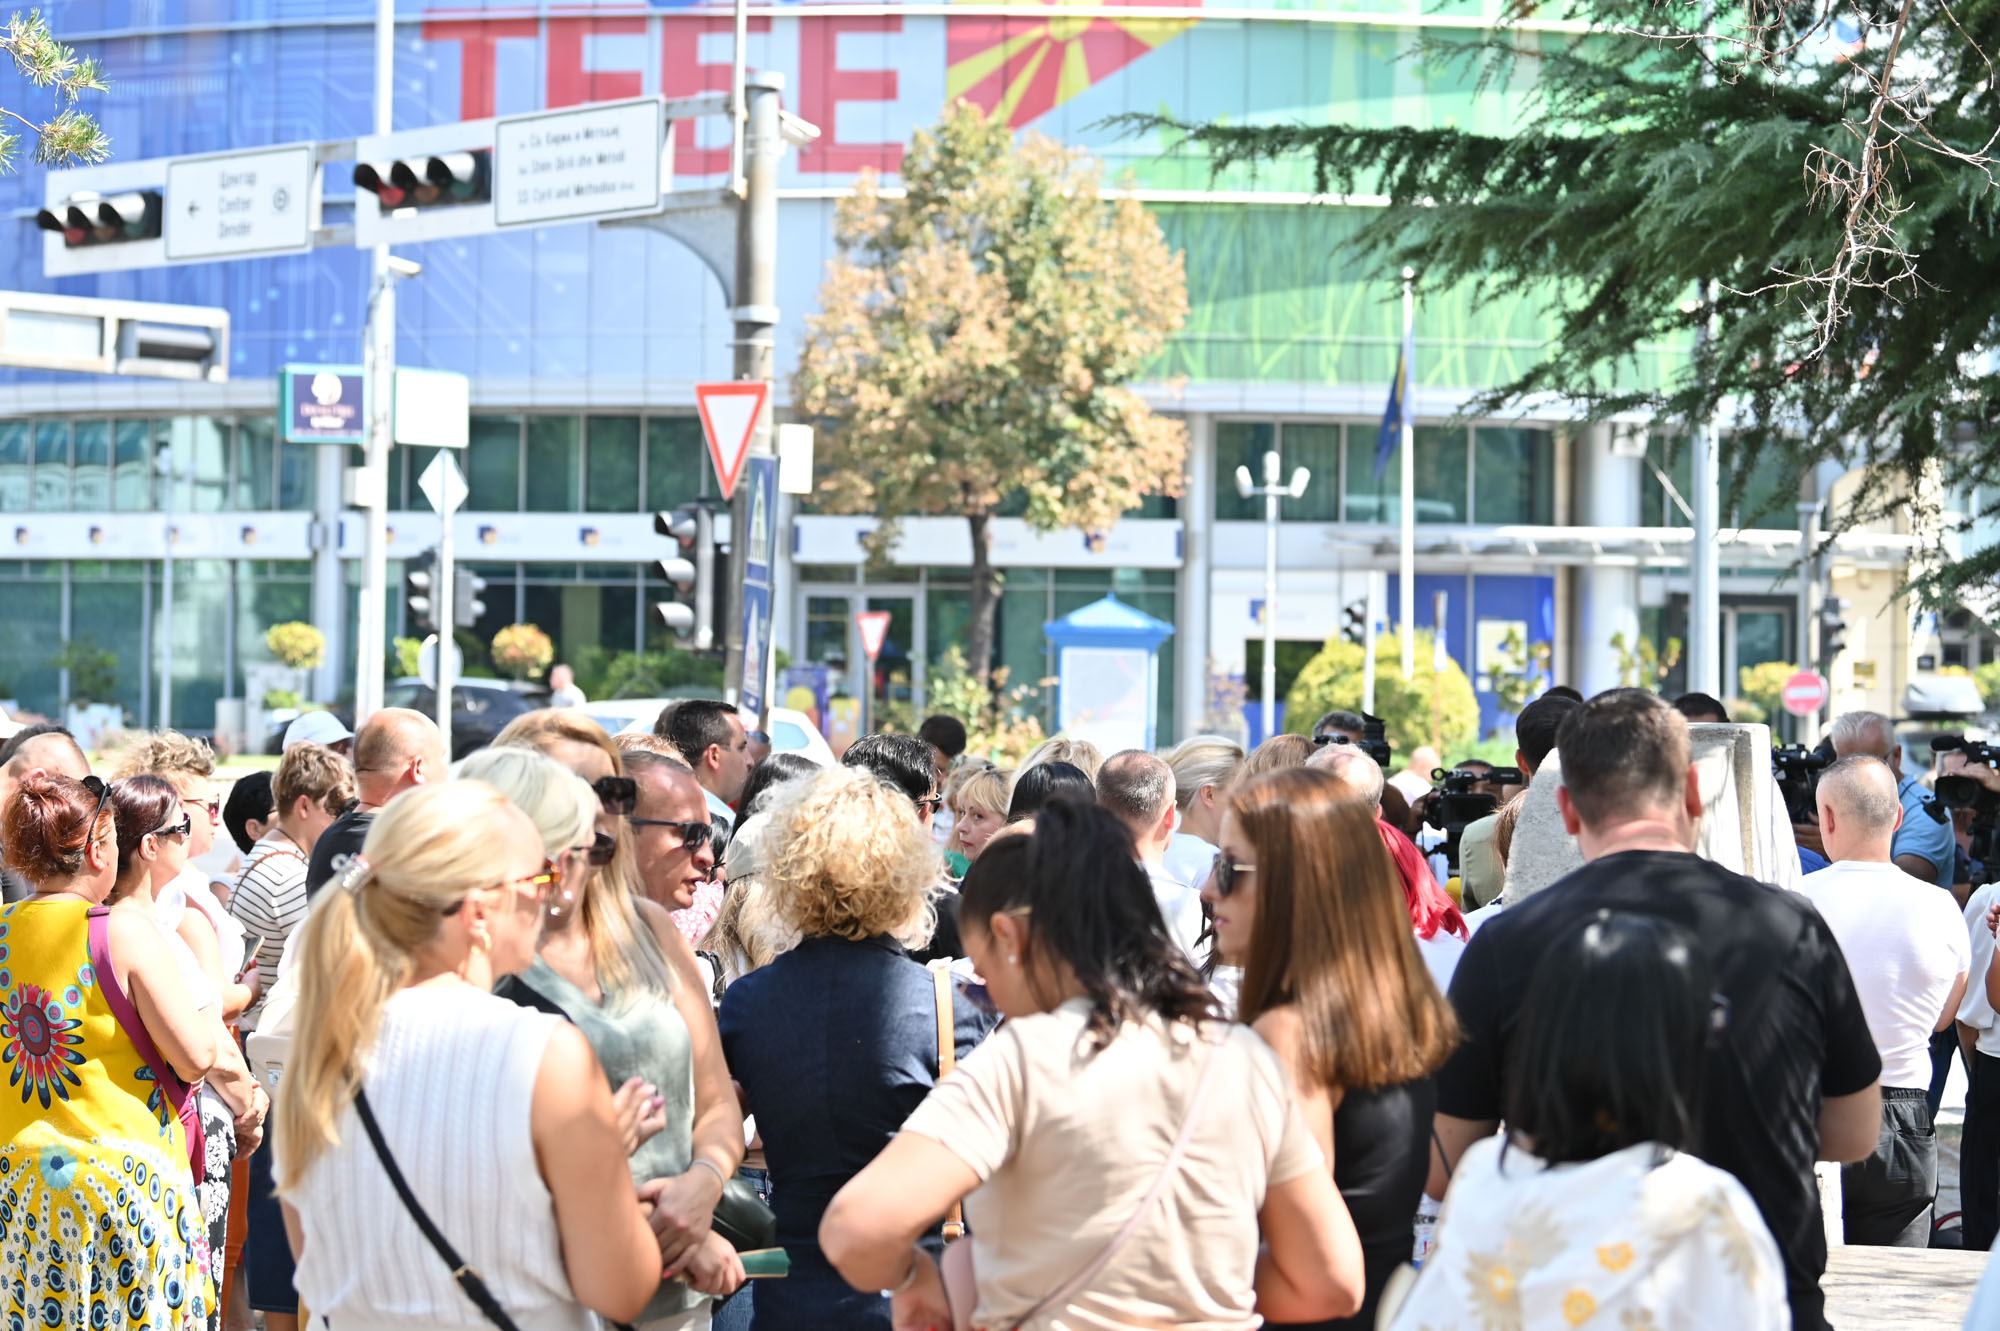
(1899, 1289)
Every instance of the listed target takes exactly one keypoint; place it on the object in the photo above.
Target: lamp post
(1272, 492)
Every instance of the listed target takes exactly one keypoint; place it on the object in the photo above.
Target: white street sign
(234, 204)
(432, 408)
(444, 486)
(587, 162)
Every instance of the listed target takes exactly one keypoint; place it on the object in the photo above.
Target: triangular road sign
(729, 415)
(874, 626)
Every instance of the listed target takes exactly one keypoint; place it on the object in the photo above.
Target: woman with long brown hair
(1307, 901)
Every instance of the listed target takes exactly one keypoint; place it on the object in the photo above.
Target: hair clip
(353, 871)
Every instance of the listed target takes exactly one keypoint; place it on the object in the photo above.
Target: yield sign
(874, 626)
(729, 414)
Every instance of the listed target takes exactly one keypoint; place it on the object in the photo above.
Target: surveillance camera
(402, 267)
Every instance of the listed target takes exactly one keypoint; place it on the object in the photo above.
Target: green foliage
(1763, 687)
(1332, 680)
(93, 670)
(1988, 679)
(606, 675)
(1642, 664)
(1852, 308)
(1001, 724)
(1519, 673)
(296, 644)
(976, 339)
(69, 137)
(522, 651)
(409, 657)
(279, 700)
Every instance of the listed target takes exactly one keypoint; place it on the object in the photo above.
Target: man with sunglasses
(47, 749)
(1338, 727)
(396, 750)
(672, 839)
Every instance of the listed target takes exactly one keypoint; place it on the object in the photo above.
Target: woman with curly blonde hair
(835, 1042)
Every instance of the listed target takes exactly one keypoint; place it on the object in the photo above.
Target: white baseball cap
(316, 728)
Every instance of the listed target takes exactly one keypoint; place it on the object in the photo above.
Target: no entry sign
(1805, 693)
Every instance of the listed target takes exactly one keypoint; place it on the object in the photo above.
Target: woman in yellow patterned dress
(99, 1227)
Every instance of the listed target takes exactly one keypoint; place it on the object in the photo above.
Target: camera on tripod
(1798, 770)
(1456, 804)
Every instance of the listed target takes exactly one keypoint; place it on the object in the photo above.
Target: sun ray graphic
(1025, 65)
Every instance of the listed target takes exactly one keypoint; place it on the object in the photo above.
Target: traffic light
(429, 182)
(90, 218)
(1832, 628)
(420, 575)
(691, 573)
(1354, 622)
(466, 607)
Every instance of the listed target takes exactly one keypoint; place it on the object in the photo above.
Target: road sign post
(729, 416)
(759, 585)
(445, 488)
(874, 627)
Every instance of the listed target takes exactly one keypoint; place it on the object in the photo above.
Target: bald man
(1360, 774)
(1908, 950)
(1415, 780)
(1924, 846)
(36, 749)
(397, 750)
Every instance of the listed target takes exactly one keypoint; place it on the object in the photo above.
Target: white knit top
(451, 1080)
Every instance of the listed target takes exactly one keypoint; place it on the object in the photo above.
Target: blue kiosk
(1108, 673)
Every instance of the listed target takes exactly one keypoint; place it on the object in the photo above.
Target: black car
(480, 708)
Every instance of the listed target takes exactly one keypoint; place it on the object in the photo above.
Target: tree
(1521, 671)
(1000, 723)
(974, 343)
(1747, 226)
(1763, 687)
(69, 136)
(1333, 680)
(1641, 664)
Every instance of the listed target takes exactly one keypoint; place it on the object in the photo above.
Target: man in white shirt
(1414, 781)
(1979, 1036)
(1138, 789)
(1906, 946)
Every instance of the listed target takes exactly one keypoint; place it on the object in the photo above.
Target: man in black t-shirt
(396, 750)
(1793, 1077)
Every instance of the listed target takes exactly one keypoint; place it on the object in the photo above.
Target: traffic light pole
(447, 604)
(1808, 726)
(379, 371)
(756, 317)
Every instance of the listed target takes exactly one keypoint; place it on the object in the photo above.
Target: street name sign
(231, 205)
(597, 161)
(729, 414)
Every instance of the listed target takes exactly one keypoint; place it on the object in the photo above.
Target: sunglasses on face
(602, 848)
(1224, 873)
(538, 885)
(1320, 741)
(693, 835)
(212, 807)
(179, 829)
(930, 802)
(618, 794)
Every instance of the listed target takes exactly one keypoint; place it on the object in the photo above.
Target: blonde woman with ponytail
(614, 963)
(499, 1117)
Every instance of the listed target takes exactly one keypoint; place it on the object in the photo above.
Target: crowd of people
(646, 1030)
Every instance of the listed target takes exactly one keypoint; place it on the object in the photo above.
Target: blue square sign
(325, 404)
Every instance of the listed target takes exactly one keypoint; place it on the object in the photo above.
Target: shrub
(522, 651)
(296, 644)
(1332, 680)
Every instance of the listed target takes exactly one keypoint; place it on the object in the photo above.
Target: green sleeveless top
(639, 1036)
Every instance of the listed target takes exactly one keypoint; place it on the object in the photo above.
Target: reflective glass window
(92, 450)
(51, 466)
(1514, 476)
(493, 465)
(132, 472)
(1317, 449)
(1241, 444)
(611, 465)
(676, 461)
(16, 452)
(553, 474)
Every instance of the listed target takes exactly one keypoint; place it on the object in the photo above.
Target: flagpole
(1407, 555)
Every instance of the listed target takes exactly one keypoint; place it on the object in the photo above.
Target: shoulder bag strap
(461, 1271)
(954, 1221)
(179, 1094)
(1146, 1204)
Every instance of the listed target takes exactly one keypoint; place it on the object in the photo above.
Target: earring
(482, 939)
(1013, 959)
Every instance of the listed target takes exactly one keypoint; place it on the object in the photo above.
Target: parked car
(791, 732)
(480, 708)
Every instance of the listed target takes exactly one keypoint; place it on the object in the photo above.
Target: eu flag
(1397, 412)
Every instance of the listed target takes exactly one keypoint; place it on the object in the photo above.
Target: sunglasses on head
(1224, 873)
(693, 835)
(96, 785)
(618, 794)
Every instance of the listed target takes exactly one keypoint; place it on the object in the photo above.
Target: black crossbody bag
(461, 1271)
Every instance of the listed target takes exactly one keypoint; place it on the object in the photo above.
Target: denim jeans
(734, 1315)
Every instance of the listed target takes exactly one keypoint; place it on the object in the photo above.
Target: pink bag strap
(177, 1092)
(1152, 1198)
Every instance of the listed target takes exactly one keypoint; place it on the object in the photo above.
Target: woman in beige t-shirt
(1058, 1129)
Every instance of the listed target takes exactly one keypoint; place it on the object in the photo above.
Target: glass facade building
(584, 342)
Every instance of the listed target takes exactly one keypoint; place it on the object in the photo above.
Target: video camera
(1958, 791)
(1456, 805)
(1798, 769)
(1375, 740)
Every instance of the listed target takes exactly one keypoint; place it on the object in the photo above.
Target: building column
(1193, 591)
(329, 582)
(1607, 598)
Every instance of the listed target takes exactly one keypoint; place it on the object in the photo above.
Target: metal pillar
(379, 364)
(1270, 680)
(1195, 586)
(166, 625)
(1704, 627)
(329, 579)
(1808, 575)
(1606, 494)
(756, 317)
(1406, 556)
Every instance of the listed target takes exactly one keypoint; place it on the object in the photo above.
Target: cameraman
(1924, 847)
(1481, 875)
(1953, 762)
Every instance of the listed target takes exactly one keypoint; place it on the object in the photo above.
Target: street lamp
(378, 372)
(1272, 492)
(163, 465)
